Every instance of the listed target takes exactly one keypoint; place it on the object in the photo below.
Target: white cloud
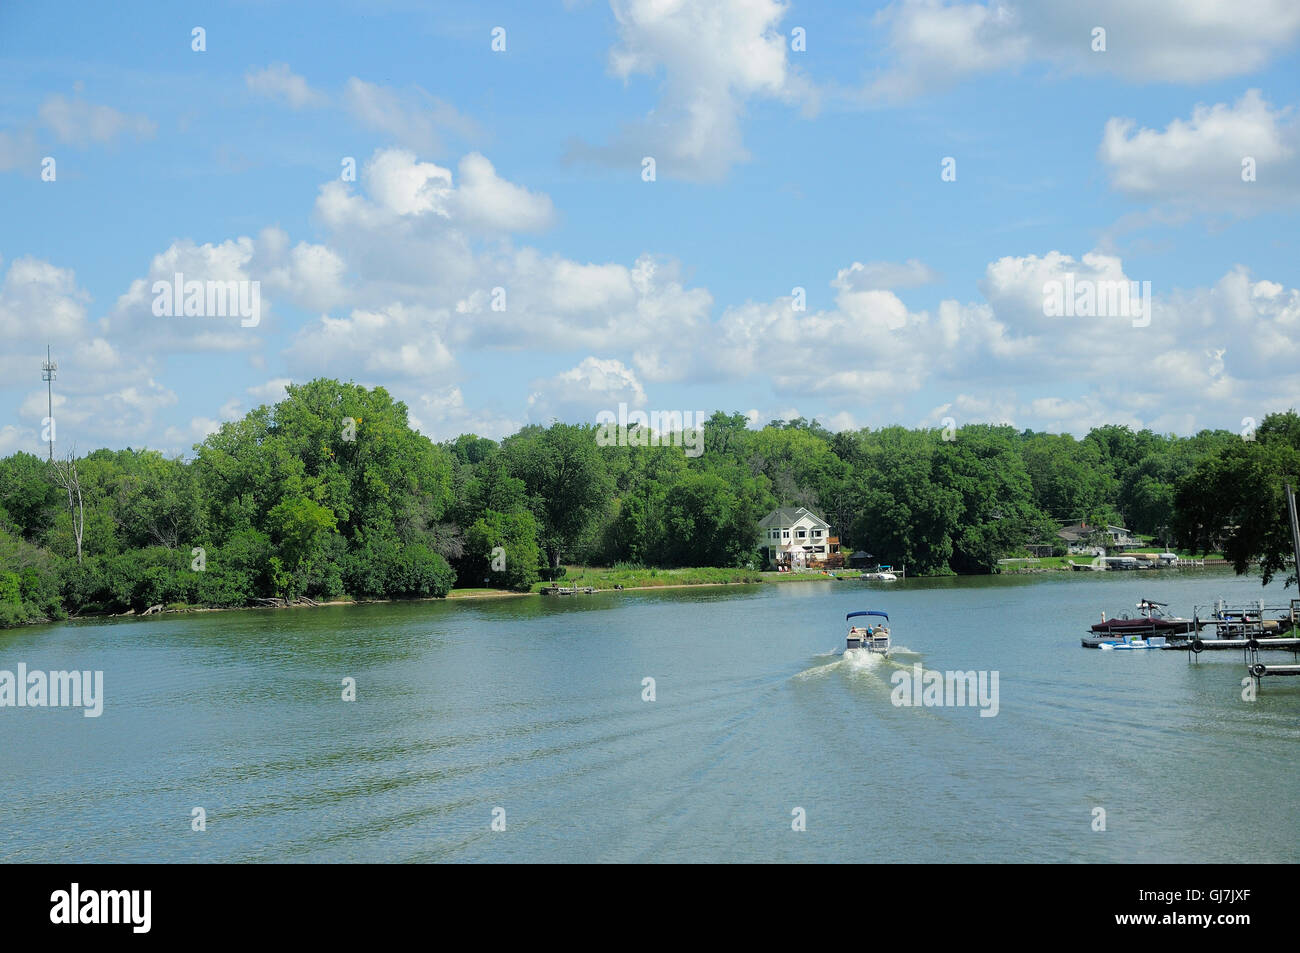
(583, 391)
(870, 343)
(273, 391)
(14, 438)
(1005, 360)
(79, 123)
(933, 44)
(414, 236)
(413, 118)
(442, 415)
(714, 56)
(133, 315)
(277, 81)
(399, 341)
(1199, 162)
(309, 276)
(404, 186)
(884, 275)
(40, 302)
(486, 200)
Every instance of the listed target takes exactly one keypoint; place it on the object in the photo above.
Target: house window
(785, 533)
(819, 549)
(802, 533)
(817, 534)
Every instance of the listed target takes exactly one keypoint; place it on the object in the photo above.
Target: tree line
(329, 493)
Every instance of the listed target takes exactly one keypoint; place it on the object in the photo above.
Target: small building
(1079, 538)
(797, 538)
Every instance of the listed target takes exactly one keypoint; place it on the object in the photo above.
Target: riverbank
(1043, 564)
(601, 579)
(598, 578)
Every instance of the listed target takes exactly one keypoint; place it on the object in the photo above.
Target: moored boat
(1152, 620)
(1133, 642)
(874, 637)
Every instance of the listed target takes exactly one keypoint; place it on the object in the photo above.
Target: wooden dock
(568, 590)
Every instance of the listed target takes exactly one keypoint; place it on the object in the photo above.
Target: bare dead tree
(65, 475)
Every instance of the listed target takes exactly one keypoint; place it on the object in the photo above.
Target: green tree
(1236, 499)
(567, 483)
(514, 565)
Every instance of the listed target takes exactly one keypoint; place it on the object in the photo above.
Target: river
(532, 716)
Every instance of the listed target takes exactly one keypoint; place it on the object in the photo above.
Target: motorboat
(881, 574)
(872, 636)
(1152, 619)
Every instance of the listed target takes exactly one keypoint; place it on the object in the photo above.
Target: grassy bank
(608, 578)
(1062, 563)
(598, 577)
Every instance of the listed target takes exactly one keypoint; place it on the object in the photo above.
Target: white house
(796, 537)
(1077, 535)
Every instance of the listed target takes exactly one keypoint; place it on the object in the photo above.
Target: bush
(516, 535)
(383, 567)
(30, 589)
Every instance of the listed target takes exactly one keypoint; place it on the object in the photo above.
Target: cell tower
(48, 375)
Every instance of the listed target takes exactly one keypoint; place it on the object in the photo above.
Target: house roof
(1076, 531)
(787, 515)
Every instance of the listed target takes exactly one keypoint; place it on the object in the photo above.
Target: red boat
(1152, 621)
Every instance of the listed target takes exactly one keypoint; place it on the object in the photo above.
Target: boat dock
(569, 590)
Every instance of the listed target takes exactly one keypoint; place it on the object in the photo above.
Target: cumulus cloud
(414, 234)
(442, 414)
(884, 275)
(582, 392)
(100, 388)
(399, 341)
(133, 315)
(1199, 162)
(869, 344)
(1005, 359)
(714, 58)
(934, 45)
(263, 269)
(40, 302)
(486, 200)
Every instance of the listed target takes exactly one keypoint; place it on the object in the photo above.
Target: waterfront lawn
(631, 577)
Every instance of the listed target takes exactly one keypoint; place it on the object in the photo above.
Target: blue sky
(776, 168)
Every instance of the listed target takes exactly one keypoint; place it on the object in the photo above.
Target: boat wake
(861, 662)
